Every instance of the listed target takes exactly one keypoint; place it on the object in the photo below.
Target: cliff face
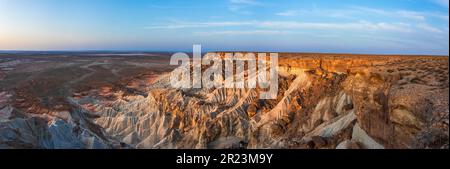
(322, 102)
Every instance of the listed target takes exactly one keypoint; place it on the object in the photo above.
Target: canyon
(125, 101)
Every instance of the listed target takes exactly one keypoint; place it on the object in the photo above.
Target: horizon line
(207, 51)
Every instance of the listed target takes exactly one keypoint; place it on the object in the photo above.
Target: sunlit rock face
(358, 102)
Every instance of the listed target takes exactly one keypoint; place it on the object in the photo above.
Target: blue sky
(350, 26)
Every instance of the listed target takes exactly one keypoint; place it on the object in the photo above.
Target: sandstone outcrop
(332, 102)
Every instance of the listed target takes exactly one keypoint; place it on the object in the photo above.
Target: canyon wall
(367, 102)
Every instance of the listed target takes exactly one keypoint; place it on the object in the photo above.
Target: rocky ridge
(323, 102)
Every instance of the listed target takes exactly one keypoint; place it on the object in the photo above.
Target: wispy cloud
(297, 26)
(294, 25)
(355, 12)
(429, 28)
(246, 2)
(289, 13)
(390, 13)
(439, 16)
(183, 25)
(168, 7)
(412, 15)
(361, 25)
(243, 32)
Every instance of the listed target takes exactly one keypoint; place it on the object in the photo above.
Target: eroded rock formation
(371, 102)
